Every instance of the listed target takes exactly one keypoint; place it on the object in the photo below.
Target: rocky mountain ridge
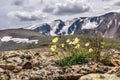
(107, 25)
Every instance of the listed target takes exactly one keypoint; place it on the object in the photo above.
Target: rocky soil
(40, 65)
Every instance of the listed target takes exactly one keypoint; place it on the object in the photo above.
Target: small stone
(1, 70)
(118, 75)
(17, 69)
(102, 77)
(36, 78)
(27, 65)
(76, 67)
(14, 60)
(7, 66)
(26, 56)
(35, 68)
(36, 54)
(11, 55)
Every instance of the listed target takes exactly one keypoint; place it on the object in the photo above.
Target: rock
(108, 62)
(36, 64)
(4, 77)
(113, 70)
(26, 56)
(10, 55)
(97, 76)
(118, 75)
(54, 69)
(27, 65)
(7, 66)
(2, 70)
(23, 77)
(36, 78)
(17, 69)
(35, 68)
(67, 77)
(36, 54)
(76, 68)
(15, 60)
(46, 72)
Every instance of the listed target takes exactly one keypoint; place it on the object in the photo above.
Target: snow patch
(108, 25)
(67, 25)
(74, 30)
(18, 40)
(54, 27)
(33, 26)
(89, 25)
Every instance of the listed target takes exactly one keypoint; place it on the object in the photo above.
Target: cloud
(107, 8)
(27, 3)
(68, 8)
(48, 9)
(106, 0)
(27, 16)
(117, 3)
(18, 2)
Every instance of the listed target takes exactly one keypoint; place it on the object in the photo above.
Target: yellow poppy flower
(70, 43)
(53, 48)
(73, 42)
(62, 45)
(90, 50)
(55, 40)
(87, 44)
(77, 46)
(76, 40)
(68, 40)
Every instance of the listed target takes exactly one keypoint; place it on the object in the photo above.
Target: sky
(22, 13)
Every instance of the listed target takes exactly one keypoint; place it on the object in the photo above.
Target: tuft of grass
(77, 58)
(106, 57)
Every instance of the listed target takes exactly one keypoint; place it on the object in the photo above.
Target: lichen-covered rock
(97, 76)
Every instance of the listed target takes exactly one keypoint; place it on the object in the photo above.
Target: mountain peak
(82, 25)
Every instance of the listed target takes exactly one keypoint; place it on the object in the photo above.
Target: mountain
(107, 25)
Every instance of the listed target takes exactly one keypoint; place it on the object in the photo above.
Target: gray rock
(97, 76)
(26, 56)
(15, 60)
